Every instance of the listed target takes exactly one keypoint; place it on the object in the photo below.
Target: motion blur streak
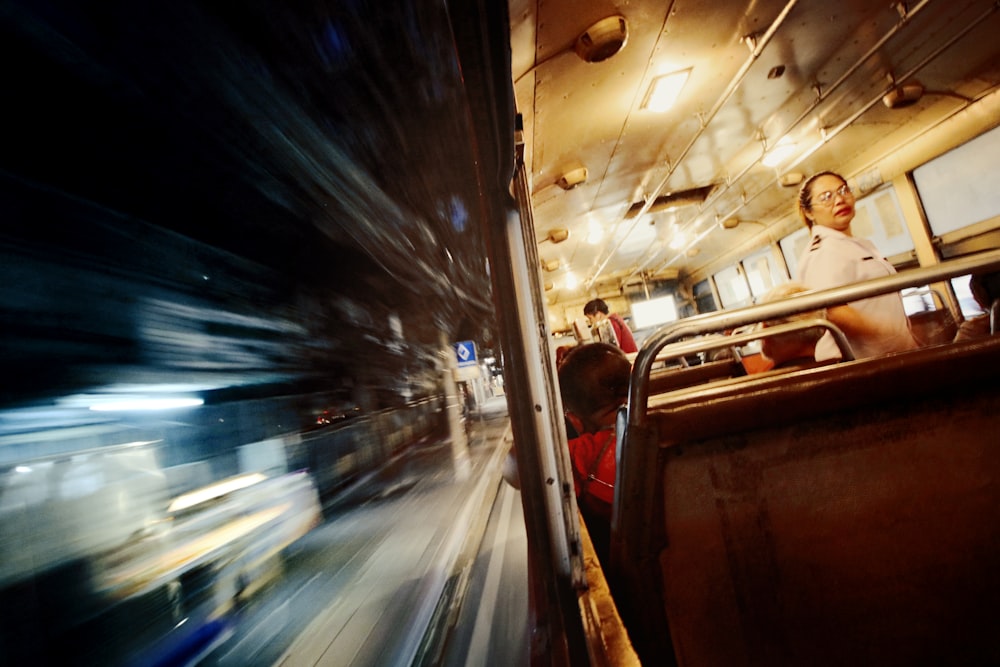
(270, 211)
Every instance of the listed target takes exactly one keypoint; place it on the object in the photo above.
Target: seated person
(795, 348)
(593, 383)
(985, 288)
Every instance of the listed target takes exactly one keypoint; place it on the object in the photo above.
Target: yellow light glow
(664, 91)
(594, 233)
(783, 150)
(571, 281)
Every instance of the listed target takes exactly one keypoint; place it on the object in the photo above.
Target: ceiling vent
(602, 40)
(572, 178)
(792, 179)
(692, 197)
(557, 235)
(903, 96)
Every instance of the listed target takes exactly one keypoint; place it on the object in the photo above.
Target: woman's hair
(594, 376)
(805, 195)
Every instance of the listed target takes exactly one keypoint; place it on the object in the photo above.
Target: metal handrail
(730, 319)
(704, 344)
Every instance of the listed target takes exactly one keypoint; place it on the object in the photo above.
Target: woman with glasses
(835, 257)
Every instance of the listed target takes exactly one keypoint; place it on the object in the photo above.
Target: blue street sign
(466, 353)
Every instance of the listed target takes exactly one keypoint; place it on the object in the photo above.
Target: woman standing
(873, 326)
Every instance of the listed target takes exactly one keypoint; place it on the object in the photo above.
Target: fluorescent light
(570, 280)
(664, 91)
(783, 150)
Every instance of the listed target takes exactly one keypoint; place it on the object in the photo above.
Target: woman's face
(832, 203)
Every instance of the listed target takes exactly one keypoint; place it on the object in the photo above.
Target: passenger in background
(598, 316)
(796, 348)
(593, 383)
(985, 288)
(874, 326)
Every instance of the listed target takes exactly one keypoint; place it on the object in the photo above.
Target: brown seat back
(847, 514)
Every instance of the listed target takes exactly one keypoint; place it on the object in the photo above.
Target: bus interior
(289, 213)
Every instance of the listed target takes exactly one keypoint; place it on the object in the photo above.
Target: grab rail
(722, 320)
(689, 347)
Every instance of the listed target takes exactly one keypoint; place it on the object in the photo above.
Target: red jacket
(584, 452)
(625, 340)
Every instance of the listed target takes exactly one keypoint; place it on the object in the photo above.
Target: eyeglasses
(826, 198)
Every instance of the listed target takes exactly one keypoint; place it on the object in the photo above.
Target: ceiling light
(664, 90)
(783, 150)
(571, 281)
(678, 241)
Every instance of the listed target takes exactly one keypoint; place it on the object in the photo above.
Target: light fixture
(782, 150)
(550, 264)
(678, 241)
(664, 90)
(571, 281)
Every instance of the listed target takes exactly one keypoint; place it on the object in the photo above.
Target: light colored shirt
(834, 259)
(604, 332)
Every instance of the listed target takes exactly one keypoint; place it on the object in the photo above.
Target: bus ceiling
(652, 188)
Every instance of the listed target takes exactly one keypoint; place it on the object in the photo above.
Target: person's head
(825, 199)
(985, 288)
(595, 310)
(561, 353)
(795, 344)
(593, 383)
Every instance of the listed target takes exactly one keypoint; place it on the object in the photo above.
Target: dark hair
(595, 305)
(594, 376)
(985, 288)
(805, 195)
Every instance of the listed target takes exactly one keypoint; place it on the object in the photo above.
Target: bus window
(733, 288)
(958, 188)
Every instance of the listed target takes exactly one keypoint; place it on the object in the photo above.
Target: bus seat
(676, 378)
(845, 514)
(933, 327)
